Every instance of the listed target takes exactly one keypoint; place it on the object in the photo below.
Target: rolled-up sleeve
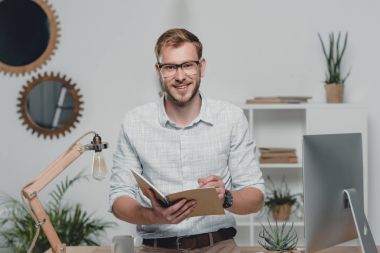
(244, 167)
(122, 182)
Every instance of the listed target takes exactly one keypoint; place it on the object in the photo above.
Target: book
(278, 100)
(272, 100)
(276, 150)
(292, 159)
(280, 154)
(207, 199)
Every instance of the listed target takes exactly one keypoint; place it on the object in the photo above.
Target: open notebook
(207, 199)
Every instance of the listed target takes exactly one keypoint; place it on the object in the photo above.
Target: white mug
(122, 244)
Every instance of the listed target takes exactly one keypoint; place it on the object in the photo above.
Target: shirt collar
(204, 115)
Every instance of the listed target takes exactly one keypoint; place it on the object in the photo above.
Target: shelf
(298, 106)
(243, 223)
(261, 218)
(288, 223)
(281, 165)
(258, 224)
(283, 125)
(274, 106)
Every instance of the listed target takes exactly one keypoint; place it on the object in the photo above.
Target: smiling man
(181, 142)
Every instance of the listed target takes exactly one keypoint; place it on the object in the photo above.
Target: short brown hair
(176, 37)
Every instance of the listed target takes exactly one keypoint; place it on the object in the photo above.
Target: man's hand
(173, 214)
(213, 181)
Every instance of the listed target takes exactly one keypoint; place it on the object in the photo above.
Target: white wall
(253, 48)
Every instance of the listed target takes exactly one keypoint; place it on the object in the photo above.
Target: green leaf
(279, 238)
(73, 225)
(279, 195)
(333, 55)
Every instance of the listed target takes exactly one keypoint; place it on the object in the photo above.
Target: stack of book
(278, 100)
(278, 155)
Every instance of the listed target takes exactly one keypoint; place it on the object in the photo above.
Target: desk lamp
(31, 190)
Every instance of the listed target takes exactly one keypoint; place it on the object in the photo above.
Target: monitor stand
(363, 230)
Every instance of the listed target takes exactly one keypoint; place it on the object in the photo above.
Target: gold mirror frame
(49, 51)
(23, 105)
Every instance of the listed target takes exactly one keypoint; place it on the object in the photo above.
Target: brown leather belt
(192, 241)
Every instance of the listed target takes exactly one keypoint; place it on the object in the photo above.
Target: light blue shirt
(172, 158)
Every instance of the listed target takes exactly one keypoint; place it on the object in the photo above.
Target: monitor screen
(332, 163)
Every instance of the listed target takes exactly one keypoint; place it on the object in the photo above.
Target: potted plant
(278, 238)
(333, 52)
(280, 200)
(74, 225)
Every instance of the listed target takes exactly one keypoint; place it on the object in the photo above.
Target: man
(183, 142)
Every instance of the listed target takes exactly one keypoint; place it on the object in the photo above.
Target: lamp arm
(31, 191)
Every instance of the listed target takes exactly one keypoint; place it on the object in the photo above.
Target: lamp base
(85, 249)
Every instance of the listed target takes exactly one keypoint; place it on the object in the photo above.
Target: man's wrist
(228, 199)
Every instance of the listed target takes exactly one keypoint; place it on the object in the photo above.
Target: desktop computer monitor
(333, 192)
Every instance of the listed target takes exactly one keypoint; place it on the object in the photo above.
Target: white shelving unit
(281, 166)
(283, 125)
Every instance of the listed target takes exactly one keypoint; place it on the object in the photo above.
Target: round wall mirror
(50, 105)
(29, 35)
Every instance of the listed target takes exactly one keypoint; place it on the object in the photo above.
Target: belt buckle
(178, 243)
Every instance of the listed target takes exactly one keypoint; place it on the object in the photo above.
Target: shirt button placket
(185, 156)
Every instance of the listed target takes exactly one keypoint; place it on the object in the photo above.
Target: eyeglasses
(169, 70)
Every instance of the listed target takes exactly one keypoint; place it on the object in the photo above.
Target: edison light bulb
(99, 169)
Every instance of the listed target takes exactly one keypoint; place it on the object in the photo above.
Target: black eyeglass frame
(160, 65)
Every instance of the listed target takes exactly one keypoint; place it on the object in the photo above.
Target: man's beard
(182, 103)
